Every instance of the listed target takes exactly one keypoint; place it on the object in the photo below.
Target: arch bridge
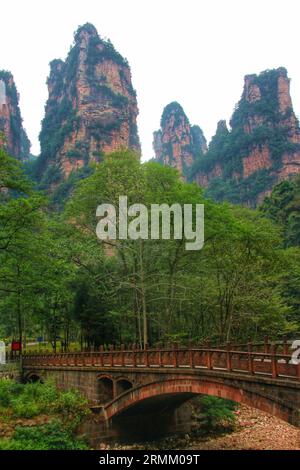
(133, 391)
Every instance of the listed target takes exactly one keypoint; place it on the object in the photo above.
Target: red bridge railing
(276, 363)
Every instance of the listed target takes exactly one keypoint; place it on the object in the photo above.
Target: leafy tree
(216, 412)
(232, 286)
(283, 207)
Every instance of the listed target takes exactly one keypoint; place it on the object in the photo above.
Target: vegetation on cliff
(283, 207)
(259, 123)
(91, 108)
(177, 143)
(16, 140)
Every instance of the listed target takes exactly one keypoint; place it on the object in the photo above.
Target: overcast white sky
(193, 51)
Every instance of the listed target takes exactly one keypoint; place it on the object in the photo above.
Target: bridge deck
(271, 364)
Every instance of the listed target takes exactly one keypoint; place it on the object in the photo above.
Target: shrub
(30, 400)
(217, 412)
(72, 407)
(51, 436)
(9, 391)
(27, 401)
(25, 410)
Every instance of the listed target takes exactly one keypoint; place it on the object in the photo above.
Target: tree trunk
(143, 295)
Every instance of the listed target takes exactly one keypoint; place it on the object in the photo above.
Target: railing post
(122, 355)
(159, 358)
(176, 363)
(228, 357)
(175, 355)
(266, 344)
(274, 362)
(134, 358)
(101, 355)
(111, 349)
(191, 359)
(209, 359)
(298, 371)
(250, 359)
(146, 355)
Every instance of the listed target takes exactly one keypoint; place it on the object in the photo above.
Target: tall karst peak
(270, 82)
(262, 147)
(12, 134)
(265, 99)
(91, 110)
(177, 143)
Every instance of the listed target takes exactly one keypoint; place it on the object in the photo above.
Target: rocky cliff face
(217, 144)
(14, 137)
(177, 143)
(91, 109)
(262, 148)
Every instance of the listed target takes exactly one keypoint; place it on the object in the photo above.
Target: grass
(23, 402)
(51, 436)
(47, 347)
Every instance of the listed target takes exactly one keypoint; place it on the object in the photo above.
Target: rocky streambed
(254, 430)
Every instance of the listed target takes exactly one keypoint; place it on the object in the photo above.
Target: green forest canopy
(58, 280)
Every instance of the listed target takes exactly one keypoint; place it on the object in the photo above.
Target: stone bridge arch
(105, 388)
(122, 385)
(33, 377)
(109, 386)
(179, 390)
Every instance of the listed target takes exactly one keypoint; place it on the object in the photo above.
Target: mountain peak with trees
(91, 109)
(177, 143)
(262, 147)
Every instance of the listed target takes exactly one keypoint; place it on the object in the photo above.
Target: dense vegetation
(57, 280)
(283, 207)
(216, 413)
(47, 419)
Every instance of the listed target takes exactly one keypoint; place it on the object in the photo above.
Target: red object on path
(16, 346)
